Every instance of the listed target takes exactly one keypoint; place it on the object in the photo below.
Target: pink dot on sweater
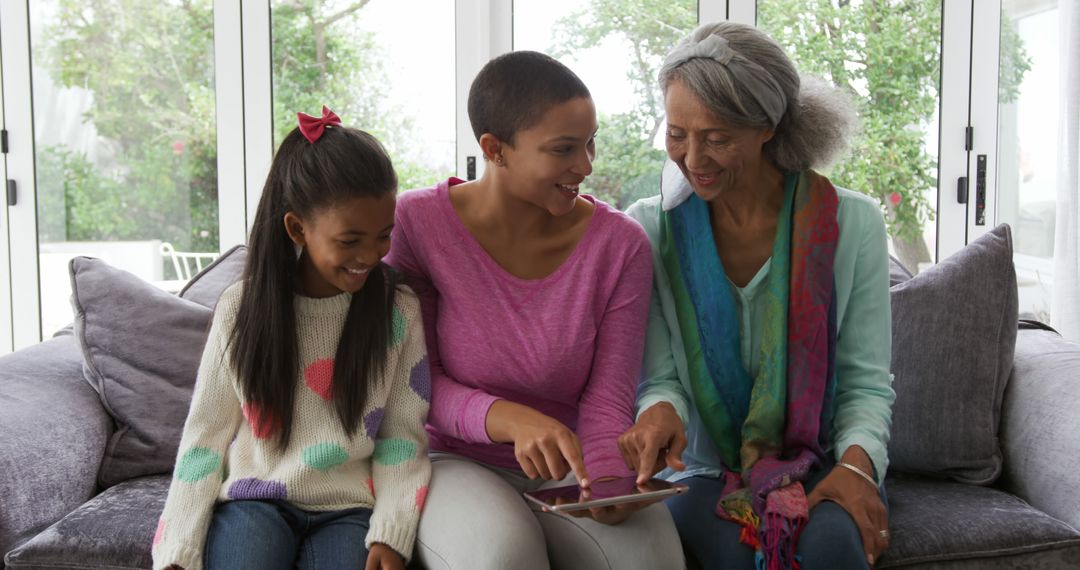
(319, 376)
(263, 423)
(421, 497)
(160, 533)
(371, 486)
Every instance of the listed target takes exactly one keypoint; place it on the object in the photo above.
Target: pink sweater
(569, 345)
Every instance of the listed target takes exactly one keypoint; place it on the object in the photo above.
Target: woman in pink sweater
(535, 300)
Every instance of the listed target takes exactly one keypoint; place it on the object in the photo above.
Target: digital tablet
(603, 493)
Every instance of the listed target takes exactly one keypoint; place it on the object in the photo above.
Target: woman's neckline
(443, 195)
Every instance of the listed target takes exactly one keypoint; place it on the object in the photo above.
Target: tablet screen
(609, 491)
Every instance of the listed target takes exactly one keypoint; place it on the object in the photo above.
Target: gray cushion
(52, 434)
(941, 524)
(897, 272)
(114, 530)
(1039, 424)
(205, 287)
(954, 331)
(141, 348)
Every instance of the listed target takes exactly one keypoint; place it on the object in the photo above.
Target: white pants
(475, 518)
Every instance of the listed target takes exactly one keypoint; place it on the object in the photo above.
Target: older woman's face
(713, 154)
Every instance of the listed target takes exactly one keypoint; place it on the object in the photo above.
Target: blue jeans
(268, 535)
(830, 540)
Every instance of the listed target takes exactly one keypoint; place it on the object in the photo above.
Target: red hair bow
(312, 127)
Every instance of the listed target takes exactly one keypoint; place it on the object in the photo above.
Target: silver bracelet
(859, 472)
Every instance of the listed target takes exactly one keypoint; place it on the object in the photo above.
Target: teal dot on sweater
(394, 451)
(399, 328)
(196, 464)
(324, 456)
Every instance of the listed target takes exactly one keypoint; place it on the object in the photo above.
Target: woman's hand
(382, 557)
(655, 441)
(543, 446)
(860, 498)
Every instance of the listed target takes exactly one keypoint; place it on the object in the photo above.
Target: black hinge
(3, 141)
(969, 136)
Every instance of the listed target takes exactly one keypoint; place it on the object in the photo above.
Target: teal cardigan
(864, 393)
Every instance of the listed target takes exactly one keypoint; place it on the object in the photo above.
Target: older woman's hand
(860, 498)
(655, 441)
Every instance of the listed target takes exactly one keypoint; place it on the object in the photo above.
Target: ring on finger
(883, 533)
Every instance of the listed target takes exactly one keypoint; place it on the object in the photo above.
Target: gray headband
(754, 78)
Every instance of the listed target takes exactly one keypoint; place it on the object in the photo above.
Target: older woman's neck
(756, 196)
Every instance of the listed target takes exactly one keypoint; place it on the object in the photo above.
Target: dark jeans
(830, 539)
(267, 535)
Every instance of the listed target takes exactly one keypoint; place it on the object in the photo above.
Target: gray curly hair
(744, 77)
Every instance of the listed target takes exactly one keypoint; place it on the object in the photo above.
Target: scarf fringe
(778, 541)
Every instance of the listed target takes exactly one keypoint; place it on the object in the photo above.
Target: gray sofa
(54, 430)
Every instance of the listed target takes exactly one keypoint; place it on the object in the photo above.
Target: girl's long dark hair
(306, 178)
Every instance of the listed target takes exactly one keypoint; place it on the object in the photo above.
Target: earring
(299, 250)
(499, 160)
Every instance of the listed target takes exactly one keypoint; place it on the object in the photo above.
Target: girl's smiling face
(342, 243)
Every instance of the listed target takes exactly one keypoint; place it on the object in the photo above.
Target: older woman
(766, 385)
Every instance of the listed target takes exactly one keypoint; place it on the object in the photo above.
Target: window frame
(484, 29)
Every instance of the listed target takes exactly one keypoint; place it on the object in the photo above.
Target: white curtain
(1065, 304)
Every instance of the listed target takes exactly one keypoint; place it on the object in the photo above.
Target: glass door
(887, 56)
(382, 67)
(616, 47)
(124, 138)
(1029, 108)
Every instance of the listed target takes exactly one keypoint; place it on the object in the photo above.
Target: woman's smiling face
(712, 153)
(547, 162)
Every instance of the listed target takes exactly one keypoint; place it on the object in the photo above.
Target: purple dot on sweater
(246, 489)
(372, 421)
(420, 379)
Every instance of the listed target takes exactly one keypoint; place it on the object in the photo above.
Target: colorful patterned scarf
(771, 429)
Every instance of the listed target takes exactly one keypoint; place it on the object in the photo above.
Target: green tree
(150, 68)
(884, 52)
(627, 163)
(322, 56)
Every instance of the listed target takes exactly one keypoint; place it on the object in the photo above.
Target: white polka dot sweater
(229, 449)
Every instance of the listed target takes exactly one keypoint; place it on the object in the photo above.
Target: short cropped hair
(513, 91)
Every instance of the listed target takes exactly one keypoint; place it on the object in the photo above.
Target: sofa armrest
(53, 432)
(1040, 426)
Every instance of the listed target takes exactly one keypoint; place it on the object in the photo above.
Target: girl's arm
(459, 411)
(401, 469)
(211, 426)
(607, 404)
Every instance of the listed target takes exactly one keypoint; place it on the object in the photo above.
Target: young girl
(314, 386)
